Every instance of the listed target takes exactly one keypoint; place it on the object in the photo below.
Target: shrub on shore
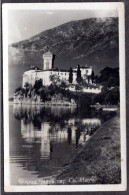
(84, 100)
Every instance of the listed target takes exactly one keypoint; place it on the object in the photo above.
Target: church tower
(47, 60)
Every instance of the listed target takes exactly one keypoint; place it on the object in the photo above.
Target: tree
(96, 79)
(113, 96)
(26, 88)
(38, 84)
(79, 78)
(23, 91)
(44, 93)
(78, 87)
(110, 75)
(26, 85)
(18, 89)
(88, 77)
(70, 75)
(92, 76)
(63, 84)
(55, 79)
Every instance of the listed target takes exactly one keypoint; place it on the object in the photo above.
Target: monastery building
(34, 73)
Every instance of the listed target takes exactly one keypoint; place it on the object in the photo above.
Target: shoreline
(113, 108)
(42, 104)
(99, 160)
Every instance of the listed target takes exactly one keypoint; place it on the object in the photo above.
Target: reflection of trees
(55, 114)
(77, 136)
(38, 114)
(69, 135)
(37, 121)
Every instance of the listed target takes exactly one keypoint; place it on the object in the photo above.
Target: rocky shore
(99, 162)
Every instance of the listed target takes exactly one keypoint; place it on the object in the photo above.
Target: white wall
(32, 75)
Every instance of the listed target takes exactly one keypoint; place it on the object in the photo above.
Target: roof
(84, 67)
(48, 53)
(34, 68)
(56, 70)
(62, 70)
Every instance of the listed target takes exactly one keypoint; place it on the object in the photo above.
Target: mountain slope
(90, 41)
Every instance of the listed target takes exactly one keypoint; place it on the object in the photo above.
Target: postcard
(64, 97)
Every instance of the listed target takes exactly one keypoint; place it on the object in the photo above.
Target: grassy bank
(99, 161)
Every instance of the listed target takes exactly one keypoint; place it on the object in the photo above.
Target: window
(47, 65)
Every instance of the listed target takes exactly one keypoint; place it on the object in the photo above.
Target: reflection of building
(61, 110)
(45, 141)
(48, 134)
(88, 121)
(30, 134)
(35, 73)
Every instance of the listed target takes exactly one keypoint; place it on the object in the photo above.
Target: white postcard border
(65, 6)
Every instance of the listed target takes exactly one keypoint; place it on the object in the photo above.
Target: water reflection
(43, 139)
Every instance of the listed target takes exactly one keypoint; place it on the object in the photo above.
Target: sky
(23, 24)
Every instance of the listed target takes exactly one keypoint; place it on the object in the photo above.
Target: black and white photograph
(64, 97)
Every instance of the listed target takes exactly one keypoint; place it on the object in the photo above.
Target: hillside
(90, 41)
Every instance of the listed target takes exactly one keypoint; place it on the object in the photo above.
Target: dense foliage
(71, 75)
(109, 79)
(79, 78)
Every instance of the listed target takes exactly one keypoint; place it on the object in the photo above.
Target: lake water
(44, 139)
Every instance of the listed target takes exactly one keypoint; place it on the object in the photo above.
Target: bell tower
(47, 60)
